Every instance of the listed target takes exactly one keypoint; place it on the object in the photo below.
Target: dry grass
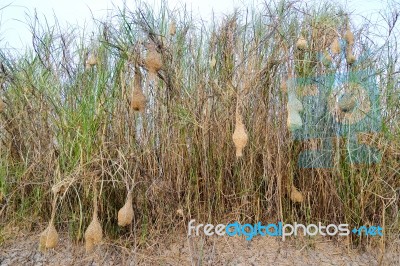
(63, 123)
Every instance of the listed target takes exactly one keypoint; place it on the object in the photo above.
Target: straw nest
(294, 121)
(91, 60)
(295, 195)
(172, 28)
(48, 238)
(301, 43)
(125, 214)
(153, 60)
(347, 103)
(349, 36)
(323, 34)
(239, 136)
(335, 46)
(351, 59)
(294, 106)
(138, 102)
(94, 233)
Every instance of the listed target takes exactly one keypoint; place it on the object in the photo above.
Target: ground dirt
(23, 250)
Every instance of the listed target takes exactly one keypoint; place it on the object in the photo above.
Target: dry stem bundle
(2, 105)
(94, 233)
(125, 214)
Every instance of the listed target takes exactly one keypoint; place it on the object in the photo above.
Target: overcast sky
(14, 31)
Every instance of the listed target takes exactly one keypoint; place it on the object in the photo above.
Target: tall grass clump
(69, 119)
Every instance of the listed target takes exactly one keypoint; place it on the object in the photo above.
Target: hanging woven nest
(138, 101)
(153, 61)
(295, 195)
(301, 43)
(125, 214)
(335, 46)
(172, 28)
(353, 106)
(294, 106)
(94, 233)
(323, 34)
(347, 103)
(239, 136)
(351, 59)
(349, 36)
(294, 121)
(49, 237)
(91, 60)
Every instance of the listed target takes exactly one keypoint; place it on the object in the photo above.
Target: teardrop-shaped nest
(153, 60)
(335, 46)
(301, 43)
(351, 59)
(294, 121)
(347, 103)
(239, 137)
(48, 238)
(172, 28)
(296, 196)
(349, 36)
(125, 214)
(91, 60)
(93, 234)
(138, 102)
(294, 104)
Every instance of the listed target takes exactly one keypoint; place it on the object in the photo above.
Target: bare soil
(23, 250)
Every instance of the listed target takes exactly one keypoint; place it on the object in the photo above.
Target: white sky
(14, 31)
